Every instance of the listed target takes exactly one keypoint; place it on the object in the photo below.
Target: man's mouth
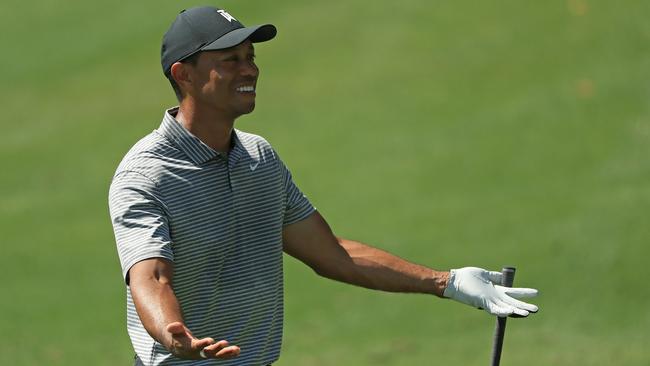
(246, 89)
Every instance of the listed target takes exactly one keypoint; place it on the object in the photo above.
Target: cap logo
(225, 14)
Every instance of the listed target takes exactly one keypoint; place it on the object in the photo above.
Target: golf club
(499, 331)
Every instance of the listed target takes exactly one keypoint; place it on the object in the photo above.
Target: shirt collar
(191, 145)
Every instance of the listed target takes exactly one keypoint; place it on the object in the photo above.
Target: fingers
(202, 343)
(520, 292)
(520, 304)
(221, 349)
(495, 308)
(228, 352)
(184, 345)
(519, 307)
(502, 309)
(510, 295)
(519, 313)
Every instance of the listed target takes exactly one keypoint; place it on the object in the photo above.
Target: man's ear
(181, 74)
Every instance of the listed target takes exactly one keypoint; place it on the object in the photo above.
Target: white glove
(477, 287)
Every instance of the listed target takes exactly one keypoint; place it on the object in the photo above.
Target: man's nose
(249, 69)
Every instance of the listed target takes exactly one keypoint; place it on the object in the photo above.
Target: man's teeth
(246, 89)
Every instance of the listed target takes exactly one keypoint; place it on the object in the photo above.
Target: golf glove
(479, 288)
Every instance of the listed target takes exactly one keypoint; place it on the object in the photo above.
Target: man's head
(198, 30)
(220, 80)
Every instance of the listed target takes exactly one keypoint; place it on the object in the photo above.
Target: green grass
(450, 133)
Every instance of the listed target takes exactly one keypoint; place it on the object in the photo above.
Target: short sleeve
(139, 220)
(297, 206)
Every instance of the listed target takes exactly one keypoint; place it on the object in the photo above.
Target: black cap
(206, 28)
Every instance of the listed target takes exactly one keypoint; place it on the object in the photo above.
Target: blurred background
(451, 133)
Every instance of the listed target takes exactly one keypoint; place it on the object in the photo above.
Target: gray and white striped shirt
(219, 218)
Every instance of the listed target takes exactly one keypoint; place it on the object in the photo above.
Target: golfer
(202, 213)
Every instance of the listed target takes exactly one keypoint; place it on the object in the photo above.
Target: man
(202, 213)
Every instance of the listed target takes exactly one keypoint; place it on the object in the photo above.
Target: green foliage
(451, 133)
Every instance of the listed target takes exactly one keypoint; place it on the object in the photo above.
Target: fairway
(450, 133)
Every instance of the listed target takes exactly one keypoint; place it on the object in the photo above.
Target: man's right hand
(180, 341)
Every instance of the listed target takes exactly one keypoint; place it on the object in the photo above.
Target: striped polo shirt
(219, 218)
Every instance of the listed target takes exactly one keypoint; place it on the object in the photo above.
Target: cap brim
(258, 33)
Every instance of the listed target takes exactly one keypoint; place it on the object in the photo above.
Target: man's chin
(248, 109)
(239, 110)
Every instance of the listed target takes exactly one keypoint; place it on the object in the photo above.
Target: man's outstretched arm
(313, 242)
(160, 313)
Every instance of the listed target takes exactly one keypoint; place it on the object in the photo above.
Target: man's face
(225, 80)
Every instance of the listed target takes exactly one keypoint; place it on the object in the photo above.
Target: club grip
(508, 276)
(507, 280)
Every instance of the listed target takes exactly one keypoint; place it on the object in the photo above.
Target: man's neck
(211, 127)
